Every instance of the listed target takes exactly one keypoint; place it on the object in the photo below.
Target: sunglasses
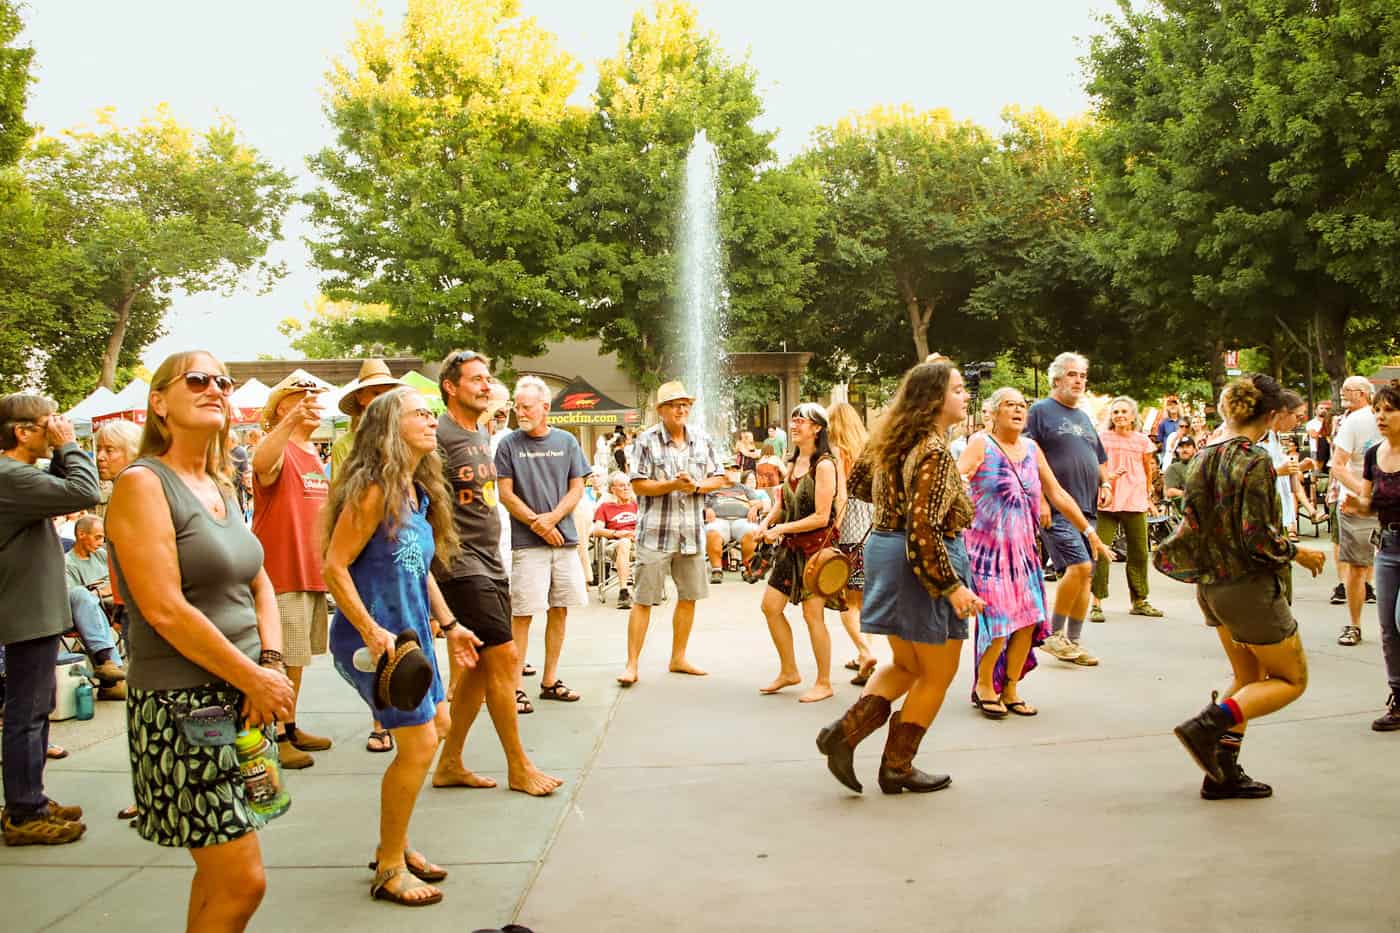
(463, 356)
(198, 382)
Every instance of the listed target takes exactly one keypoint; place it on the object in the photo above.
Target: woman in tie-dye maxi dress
(1006, 572)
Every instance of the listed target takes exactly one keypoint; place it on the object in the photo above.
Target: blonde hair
(123, 434)
(848, 434)
(156, 437)
(381, 458)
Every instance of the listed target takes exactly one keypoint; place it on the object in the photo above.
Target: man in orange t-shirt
(289, 490)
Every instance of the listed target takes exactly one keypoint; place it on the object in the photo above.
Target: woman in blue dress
(389, 513)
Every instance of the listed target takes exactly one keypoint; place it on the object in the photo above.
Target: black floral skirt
(187, 796)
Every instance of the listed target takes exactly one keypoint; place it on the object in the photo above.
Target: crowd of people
(229, 564)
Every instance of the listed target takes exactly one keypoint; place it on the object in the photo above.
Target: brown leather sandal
(379, 888)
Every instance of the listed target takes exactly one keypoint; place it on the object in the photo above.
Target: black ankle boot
(838, 740)
(1237, 784)
(897, 771)
(1201, 732)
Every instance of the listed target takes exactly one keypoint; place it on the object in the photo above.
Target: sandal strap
(383, 876)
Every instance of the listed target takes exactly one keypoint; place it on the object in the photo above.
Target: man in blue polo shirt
(1077, 458)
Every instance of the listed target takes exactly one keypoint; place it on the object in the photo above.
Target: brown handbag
(829, 569)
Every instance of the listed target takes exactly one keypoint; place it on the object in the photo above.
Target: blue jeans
(1387, 585)
(91, 622)
(29, 698)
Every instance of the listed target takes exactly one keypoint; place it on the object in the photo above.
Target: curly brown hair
(917, 403)
(1250, 398)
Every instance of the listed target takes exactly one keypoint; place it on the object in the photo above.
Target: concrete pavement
(694, 804)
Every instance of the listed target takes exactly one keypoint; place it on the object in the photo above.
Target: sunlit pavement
(696, 804)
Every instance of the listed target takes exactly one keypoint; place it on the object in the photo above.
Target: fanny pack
(207, 726)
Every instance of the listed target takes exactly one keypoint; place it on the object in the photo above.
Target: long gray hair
(379, 457)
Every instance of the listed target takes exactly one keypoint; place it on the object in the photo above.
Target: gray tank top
(218, 561)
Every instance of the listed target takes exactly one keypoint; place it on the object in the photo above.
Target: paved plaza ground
(694, 804)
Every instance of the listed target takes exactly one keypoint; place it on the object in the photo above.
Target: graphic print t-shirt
(617, 516)
(1072, 448)
(540, 469)
(471, 474)
(285, 518)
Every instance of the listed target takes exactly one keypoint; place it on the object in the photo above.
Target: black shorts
(482, 605)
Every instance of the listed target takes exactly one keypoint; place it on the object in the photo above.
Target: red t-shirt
(286, 518)
(617, 516)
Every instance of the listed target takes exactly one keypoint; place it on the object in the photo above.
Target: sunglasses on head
(463, 356)
(198, 382)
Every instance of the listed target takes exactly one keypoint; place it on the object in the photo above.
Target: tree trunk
(114, 342)
(1217, 369)
(920, 315)
(1331, 334)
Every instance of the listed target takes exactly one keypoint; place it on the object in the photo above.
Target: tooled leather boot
(897, 771)
(1237, 784)
(838, 740)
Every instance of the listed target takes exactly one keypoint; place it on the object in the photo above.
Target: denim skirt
(897, 604)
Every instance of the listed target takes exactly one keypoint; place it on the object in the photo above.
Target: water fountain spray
(704, 298)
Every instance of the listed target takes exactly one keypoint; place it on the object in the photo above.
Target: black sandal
(523, 704)
(383, 737)
(1020, 708)
(527, 671)
(558, 691)
(983, 707)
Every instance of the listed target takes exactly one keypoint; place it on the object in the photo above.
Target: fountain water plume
(703, 294)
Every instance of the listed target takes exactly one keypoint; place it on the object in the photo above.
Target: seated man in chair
(615, 525)
(90, 597)
(731, 514)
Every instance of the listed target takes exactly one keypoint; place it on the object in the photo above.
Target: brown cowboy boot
(897, 771)
(838, 741)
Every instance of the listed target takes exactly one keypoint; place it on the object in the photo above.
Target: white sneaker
(1058, 646)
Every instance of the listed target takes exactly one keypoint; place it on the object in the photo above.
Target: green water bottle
(262, 775)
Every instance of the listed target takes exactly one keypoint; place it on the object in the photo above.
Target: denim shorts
(897, 604)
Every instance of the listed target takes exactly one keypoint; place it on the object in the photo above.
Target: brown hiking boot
(897, 771)
(70, 814)
(838, 740)
(109, 672)
(305, 740)
(46, 830)
(293, 758)
(116, 691)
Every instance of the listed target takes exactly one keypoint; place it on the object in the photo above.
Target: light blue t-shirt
(540, 469)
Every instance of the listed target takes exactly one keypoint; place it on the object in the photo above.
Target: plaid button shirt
(675, 521)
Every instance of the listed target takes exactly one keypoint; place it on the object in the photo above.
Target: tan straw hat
(672, 392)
(372, 373)
(298, 380)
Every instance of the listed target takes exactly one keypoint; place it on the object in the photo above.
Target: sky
(263, 63)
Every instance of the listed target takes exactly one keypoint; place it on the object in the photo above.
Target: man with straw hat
(373, 381)
(289, 491)
(674, 466)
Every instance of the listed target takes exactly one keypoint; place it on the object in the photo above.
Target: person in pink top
(289, 490)
(1131, 470)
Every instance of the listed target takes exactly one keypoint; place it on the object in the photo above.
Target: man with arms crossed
(1356, 555)
(1077, 458)
(673, 468)
(475, 586)
(615, 523)
(540, 472)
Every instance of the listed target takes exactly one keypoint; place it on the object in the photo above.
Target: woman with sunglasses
(916, 577)
(802, 518)
(204, 635)
(388, 515)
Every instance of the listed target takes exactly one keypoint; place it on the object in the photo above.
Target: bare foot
(628, 678)
(685, 667)
(457, 776)
(818, 693)
(531, 780)
(779, 682)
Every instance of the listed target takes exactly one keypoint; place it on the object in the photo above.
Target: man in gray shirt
(90, 597)
(32, 576)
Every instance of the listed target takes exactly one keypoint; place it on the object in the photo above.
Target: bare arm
(268, 455)
(972, 456)
(269, 619)
(353, 529)
(654, 487)
(1342, 471)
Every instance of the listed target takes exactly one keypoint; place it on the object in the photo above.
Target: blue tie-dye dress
(391, 576)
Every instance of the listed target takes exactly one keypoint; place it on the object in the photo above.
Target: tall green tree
(1246, 167)
(669, 81)
(135, 214)
(15, 78)
(446, 195)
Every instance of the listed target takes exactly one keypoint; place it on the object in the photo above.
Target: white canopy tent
(129, 403)
(248, 400)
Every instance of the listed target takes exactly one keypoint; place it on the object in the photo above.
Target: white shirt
(1357, 435)
(1274, 446)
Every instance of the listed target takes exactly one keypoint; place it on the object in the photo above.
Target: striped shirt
(675, 521)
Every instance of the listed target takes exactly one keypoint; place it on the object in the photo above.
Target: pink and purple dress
(1001, 547)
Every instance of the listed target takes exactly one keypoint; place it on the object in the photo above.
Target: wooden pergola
(788, 367)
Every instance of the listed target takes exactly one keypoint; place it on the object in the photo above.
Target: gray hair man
(615, 525)
(1077, 458)
(1355, 554)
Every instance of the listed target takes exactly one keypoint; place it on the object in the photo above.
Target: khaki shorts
(1354, 538)
(690, 571)
(303, 626)
(1254, 610)
(543, 578)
